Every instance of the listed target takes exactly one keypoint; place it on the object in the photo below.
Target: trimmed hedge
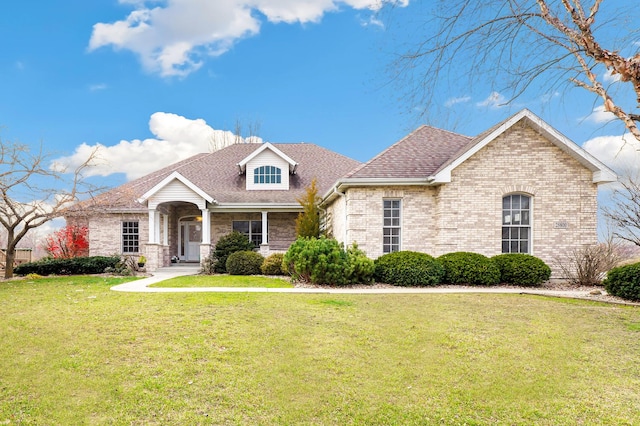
(73, 266)
(469, 268)
(246, 262)
(624, 282)
(521, 269)
(272, 264)
(408, 268)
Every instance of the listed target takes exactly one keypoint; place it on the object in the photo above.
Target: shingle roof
(217, 174)
(418, 155)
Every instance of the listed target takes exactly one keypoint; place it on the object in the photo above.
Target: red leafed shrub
(68, 242)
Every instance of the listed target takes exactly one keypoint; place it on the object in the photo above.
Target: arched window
(516, 224)
(267, 174)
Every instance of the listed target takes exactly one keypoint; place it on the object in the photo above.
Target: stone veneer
(466, 214)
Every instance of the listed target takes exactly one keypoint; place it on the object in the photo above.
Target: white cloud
(177, 138)
(621, 153)
(453, 101)
(97, 87)
(494, 100)
(610, 78)
(599, 116)
(172, 37)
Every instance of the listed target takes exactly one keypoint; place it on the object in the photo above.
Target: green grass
(74, 352)
(225, 281)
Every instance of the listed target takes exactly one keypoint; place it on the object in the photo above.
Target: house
(521, 186)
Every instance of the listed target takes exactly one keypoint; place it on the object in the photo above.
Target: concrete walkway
(162, 274)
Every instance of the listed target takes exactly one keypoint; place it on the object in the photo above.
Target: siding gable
(267, 158)
(176, 190)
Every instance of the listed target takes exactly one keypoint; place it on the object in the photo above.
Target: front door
(190, 240)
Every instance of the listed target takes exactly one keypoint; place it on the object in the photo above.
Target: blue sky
(155, 81)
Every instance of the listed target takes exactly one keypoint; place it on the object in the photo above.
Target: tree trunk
(9, 260)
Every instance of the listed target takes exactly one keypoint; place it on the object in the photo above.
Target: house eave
(343, 184)
(256, 207)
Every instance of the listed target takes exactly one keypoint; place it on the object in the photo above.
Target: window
(130, 237)
(516, 224)
(251, 228)
(391, 226)
(267, 174)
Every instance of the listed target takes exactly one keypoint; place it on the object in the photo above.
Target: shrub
(469, 268)
(521, 269)
(408, 268)
(228, 244)
(272, 264)
(624, 281)
(73, 266)
(324, 261)
(588, 265)
(244, 263)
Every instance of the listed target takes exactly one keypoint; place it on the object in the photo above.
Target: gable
(267, 171)
(176, 187)
(600, 172)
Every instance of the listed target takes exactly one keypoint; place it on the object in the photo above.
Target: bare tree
(512, 43)
(32, 193)
(624, 212)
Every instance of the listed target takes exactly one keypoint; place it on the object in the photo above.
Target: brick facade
(466, 214)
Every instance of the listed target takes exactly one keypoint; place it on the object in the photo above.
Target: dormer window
(267, 174)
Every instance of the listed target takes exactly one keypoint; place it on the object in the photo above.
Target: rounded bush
(521, 269)
(624, 282)
(228, 244)
(272, 264)
(408, 268)
(469, 268)
(246, 262)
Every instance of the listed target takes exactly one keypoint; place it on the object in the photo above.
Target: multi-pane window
(130, 237)
(516, 224)
(251, 228)
(391, 226)
(267, 174)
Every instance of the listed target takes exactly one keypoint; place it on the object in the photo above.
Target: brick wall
(465, 215)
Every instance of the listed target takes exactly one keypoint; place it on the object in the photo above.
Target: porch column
(206, 226)
(165, 230)
(265, 228)
(154, 226)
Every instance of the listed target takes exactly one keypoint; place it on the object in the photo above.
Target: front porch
(181, 232)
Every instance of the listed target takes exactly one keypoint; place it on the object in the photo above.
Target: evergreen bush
(521, 269)
(624, 282)
(228, 244)
(469, 268)
(244, 263)
(324, 261)
(272, 264)
(408, 268)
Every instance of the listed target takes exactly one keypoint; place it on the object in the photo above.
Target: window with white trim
(130, 237)
(267, 174)
(516, 224)
(391, 227)
(251, 228)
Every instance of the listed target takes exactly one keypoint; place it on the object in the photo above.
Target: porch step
(181, 267)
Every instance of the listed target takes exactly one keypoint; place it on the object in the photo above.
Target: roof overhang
(256, 207)
(601, 173)
(341, 185)
(242, 165)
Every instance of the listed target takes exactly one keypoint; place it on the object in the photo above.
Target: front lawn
(74, 352)
(224, 281)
